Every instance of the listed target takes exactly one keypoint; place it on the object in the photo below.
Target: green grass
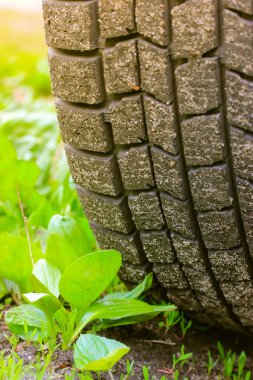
(29, 123)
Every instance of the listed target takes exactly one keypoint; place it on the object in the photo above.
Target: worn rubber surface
(155, 105)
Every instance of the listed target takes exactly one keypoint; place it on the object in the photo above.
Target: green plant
(180, 359)
(129, 370)
(11, 366)
(13, 340)
(170, 320)
(241, 366)
(61, 288)
(211, 363)
(174, 318)
(233, 367)
(145, 372)
(185, 325)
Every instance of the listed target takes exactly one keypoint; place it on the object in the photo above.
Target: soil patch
(150, 346)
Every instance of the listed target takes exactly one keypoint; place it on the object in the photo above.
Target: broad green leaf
(28, 322)
(86, 278)
(24, 167)
(70, 230)
(10, 218)
(48, 275)
(59, 252)
(3, 289)
(7, 149)
(95, 353)
(8, 225)
(15, 260)
(133, 294)
(41, 215)
(14, 178)
(119, 312)
(44, 301)
(117, 309)
(107, 323)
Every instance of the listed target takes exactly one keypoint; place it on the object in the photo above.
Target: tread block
(203, 140)
(220, 314)
(202, 317)
(239, 101)
(210, 188)
(146, 211)
(168, 173)
(170, 275)
(69, 25)
(160, 124)
(201, 282)
(116, 18)
(152, 24)
(154, 66)
(229, 265)
(83, 129)
(198, 279)
(134, 273)
(76, 79)
(127, 121)
(135, 168)
(177, 215)
(238, 36)
(95, 173)
(157, 246)
(242, 151)
(225, 321)
(197, 86)
(210, 301)
(188, 251)
(108, 212)
(245, 315)
(121, 68)
(219, 229)
(245, 192)
(245, 6)
(128, 245)
(184, 299)
(194, 28)
(238, 293)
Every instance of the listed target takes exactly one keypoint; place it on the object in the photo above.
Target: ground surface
(150, 346)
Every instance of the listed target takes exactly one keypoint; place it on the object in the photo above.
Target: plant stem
(26, 226)
(111, 375)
